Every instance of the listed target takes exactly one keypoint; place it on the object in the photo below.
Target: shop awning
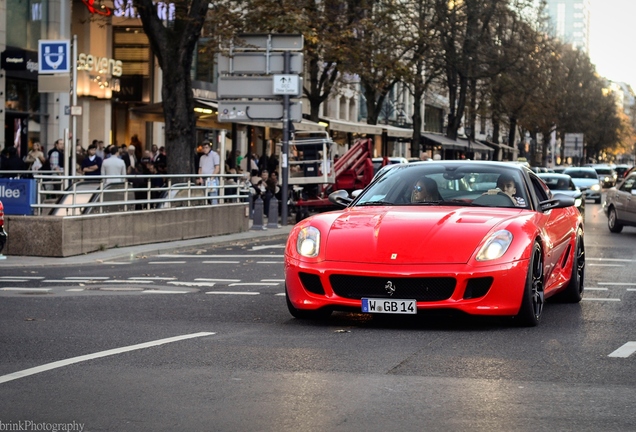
(397, 132)
(445, 142)
(352, 127)
(476, 146)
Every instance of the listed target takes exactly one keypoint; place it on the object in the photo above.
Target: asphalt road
(227, 356)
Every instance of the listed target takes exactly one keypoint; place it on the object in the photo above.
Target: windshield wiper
(375, 203)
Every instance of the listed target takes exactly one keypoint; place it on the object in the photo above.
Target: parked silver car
(586, 179)
(620, 204)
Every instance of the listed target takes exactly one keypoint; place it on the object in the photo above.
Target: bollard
(257, 223)
(272, 218)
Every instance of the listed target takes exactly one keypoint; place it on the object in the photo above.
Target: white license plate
(389, 306)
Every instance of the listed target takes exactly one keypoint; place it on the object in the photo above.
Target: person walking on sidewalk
(209, 164)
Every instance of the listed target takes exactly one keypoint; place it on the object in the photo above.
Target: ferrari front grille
(312, 283)
(420, 289)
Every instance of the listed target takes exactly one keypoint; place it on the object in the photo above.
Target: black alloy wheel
(533, 297)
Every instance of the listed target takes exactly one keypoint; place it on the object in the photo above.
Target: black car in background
(563, 184)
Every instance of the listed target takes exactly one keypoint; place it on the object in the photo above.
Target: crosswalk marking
(25, 289)
(192, 284)
(233, 292)
(21, 277)
(601, 299)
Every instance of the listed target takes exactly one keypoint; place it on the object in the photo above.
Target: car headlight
(577, 202)
(596, 187)
(308, 242)
(495, 246)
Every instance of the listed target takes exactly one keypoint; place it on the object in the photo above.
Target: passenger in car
(425, 190)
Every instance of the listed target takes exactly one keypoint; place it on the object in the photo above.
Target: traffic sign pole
(285, 155)
(72, 170)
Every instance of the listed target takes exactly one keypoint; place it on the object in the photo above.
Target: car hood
(411, 235)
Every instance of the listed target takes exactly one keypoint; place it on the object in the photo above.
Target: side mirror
(340, 198)
(558, 201)
(355, 193)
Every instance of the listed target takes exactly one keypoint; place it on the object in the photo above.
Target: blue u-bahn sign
(17, 196)
(54, 56)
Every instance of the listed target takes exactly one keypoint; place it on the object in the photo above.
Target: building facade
(570, 22)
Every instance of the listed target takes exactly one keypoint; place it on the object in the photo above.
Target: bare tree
(173, 44)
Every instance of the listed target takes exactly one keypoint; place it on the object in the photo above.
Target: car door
(557, 229)
(627, 207)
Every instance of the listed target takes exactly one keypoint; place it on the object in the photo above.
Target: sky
(613, 39)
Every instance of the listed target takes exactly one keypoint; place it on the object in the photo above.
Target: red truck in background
(314, 171)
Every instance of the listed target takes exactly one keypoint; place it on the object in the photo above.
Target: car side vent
(567, 254)
(312, 283)
(477, 287)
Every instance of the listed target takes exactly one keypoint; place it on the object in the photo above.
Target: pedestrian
(56, 156)
(35, 159)
(114, 166)
(209, 165)
(11, 162)
(92, 164)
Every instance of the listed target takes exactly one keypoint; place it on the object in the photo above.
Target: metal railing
(142, 192)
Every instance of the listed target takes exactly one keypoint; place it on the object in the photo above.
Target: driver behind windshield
(425, 190)
(506, 184)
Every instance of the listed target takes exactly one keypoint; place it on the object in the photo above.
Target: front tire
(573, 293)
(533, 300)
(318, 314)
(612, 221)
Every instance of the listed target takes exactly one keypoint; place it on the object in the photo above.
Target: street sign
(573, 145)
(276, 42)
(256, 63)
(54, 56)
(255, 111)
(286, 85)
(236, 87)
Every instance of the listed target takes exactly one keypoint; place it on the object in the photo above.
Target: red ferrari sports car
(484, 238)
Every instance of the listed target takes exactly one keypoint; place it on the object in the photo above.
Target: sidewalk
(13, 261)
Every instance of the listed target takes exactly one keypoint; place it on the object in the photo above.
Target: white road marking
(601, 299)
(269, 262)
(606, 265)
(268, 247)
(625, 351)
(73, 360)
(609, 259)
(234, 292)
(89, 277)
(631, 289)
(124, 281)
(221, 262)
(15, 280)
(22, 277)
(65, 281)
(217, 280)
(152, 278)
(280, 294)
(165, 292)
(121, 289)
(25, 289)
(595, 289)
(272, 280)
(219, 256)
(166, 262)
(254, 284)
(617, 283)
(116, 263)
(75, 289)
(192, 284)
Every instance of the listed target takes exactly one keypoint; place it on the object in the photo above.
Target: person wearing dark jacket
(11, 162)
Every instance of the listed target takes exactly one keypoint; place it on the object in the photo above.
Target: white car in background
(586, 179)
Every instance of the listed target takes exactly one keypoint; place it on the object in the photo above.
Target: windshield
(466, 184)
(558, 183)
